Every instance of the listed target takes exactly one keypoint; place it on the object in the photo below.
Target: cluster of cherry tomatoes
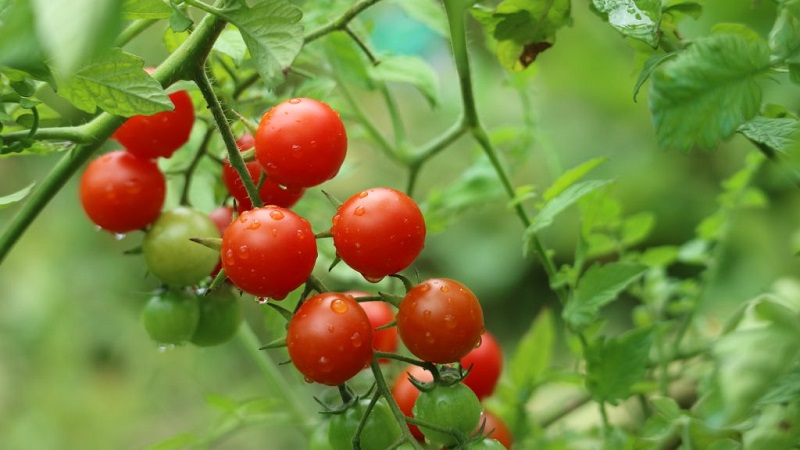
(269, 251)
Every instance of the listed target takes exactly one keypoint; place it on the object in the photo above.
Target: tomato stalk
(383, 389)
(341, 22)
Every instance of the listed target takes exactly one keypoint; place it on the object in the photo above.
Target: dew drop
(119, 236)
(243, 251)
(336, 219)
(243, 218)
(295, 147)
(295, 101)
(356, 339)
(427, 314)
(262, 300)
(425, 287)
(339, 306)
(480, 341)
(444, 288)
(98, 228)
(274, 232)
(308, 380)
(372, 279)
(325, 364)
(254, 225)
(230, 260)
(429, 337)
(301, 235)
(359, 211)
(163, 348)
(276, 215)
(331, 328)
(363, 194)
(449, 321)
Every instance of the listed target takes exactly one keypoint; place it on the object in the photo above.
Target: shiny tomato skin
(301, 143)
(440, 320)
(161, 134)
(329, 338)
(495, 428)
(405, 394)
(452, 407)
(120, 192)
(380, 314)
(486, 361)
(268, 251)
(378, 232)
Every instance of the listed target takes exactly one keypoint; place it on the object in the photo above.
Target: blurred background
(77, 369)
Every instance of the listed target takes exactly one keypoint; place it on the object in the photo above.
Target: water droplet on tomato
(301, 235)
(372, 279)
(339, 306)
(276, 215)
(274, 232)
(359, 211)
(119, 236)
(295, 101)
(244, 252)
(230, 259)
(480, 341)
(363, 194)
(308, 380)
(425, 287)
(98, 228)
(427, 314)
(243, 218)
(429, 337)
(254, 225)
(336, 219)
(295, 147)
(444, 288)
(449, 321)
(325, 364)
(356, 339)
(331, 328)
(262, 300)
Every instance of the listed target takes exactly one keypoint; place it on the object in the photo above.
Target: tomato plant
(121, 193)
(485, 363)
(268, 251)
(440, 320)
(171, 316)
(329, 338)
(170, 254)
(301, 143)
(453, 407)
(380, 429)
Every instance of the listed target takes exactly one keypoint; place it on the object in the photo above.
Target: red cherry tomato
(378, 232)
(221, 217)
(271, 193)
(440, 320)
(120, 192)
(405, 394)
(301, 143)
(328, 338)
(160, 134)
(380, 314)
(495, 428)
(269, 251)
(487, 362)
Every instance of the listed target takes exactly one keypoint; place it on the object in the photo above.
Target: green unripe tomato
(453, 407)
(171, 256)
(487, 444)
(171, 316)
(379, 433)
(220, 316)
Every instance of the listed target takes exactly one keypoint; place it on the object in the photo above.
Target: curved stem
(431, 149)
(341, 22)
(133, 30)
(76, 134)
(384, 390)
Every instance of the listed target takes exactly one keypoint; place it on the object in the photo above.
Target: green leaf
(784, 38)
(19, 46)
(662, 256)
(412, 70)
(76, 31)
(571, 176)
(145, 9)
(273, 33)
(179, 21)
(179, 441)
(562, 201)
(785, 390)
(230, 43)
(794, 73)
(221, 403)
(637, 227)
(427, 12)
(776, 428)
(689, 8)
(614, 365)
(599, 286)
(118, 84)
(704, 94)
(650, 65)
(779, 135)
(348, 61)
(638, 19)
(534, 353)
(10, 199)
(38, 148)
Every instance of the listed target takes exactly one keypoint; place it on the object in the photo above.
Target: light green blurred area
(78, 371)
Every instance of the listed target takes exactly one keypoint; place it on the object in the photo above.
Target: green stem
(188, 174)
(340, 22)
(280, 387)
(384, 390)
(133, 30)
(430, 150)
(93, 134)
(77, 134)
(373, 131)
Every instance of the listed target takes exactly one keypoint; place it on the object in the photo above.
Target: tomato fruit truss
(380, 431)
(405, 393)
(440, 320)
(269, 251)
(301, 143)
(161, 134)
(169, 253)
(270, 192)
(121, 193)
(329, 338)
(454, 406)
(378, 232)
(171, 316)
(486, 362)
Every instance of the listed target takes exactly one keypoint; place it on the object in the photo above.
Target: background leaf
(638, 19)
(614, 365)
(599, 286)
(10, 199)
(412, 70)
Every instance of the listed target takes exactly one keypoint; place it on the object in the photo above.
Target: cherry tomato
(379, 433)
(170, 254)
(301, 143)
(220, 316)
(171, 316)
(378, 232)
(380, 314)
(440, 320)
(405, 394)
(486, 361)
(454, 406)
(120, 192)
(269, 251)
(329, 338)
(222, 217)
(160, 134)
(495, 428)
(271, 193)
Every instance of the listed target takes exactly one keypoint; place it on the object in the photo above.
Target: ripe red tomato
(160, 134)
(271, 193)
(328, 338)
(440, 320)
(378, 232)
(487, 362)
(495, 428)
(269, 251)
(301, 143)
(405, 394)
(121, 192)
(380, 314)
